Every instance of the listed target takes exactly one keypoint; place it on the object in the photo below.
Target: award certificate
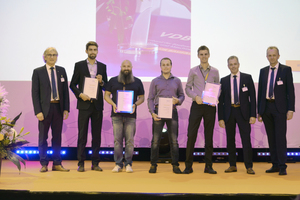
(90, 87)
(165, 108)
(211, 93)
(124, 101)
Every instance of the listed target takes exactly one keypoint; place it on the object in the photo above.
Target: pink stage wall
(19, 95)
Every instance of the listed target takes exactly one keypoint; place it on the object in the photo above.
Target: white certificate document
(165, 107)
(211, 93)
(90, 87)
(124, 101)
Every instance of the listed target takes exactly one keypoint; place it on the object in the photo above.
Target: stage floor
(140, 181)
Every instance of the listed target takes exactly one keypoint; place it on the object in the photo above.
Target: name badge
(244, 89)
(62, 79)
(279, 82)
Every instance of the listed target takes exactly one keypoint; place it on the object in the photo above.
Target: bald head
(126, 66)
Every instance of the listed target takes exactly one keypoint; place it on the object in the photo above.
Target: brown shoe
(250, 171)
(96, 168)
(59, 168)
(44, 169)
(231, 169)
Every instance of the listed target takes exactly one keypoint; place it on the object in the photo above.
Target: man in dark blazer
(50, 97)
(89, 108)
(237, 105)
(276, 104)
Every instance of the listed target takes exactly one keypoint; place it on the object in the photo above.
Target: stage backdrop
(144, 31)
(20, 101)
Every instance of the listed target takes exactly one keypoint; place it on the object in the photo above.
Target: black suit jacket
(247, 98)
(284, 93)
(81, 71)
(41, 90)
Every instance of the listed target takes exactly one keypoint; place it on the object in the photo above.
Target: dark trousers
(197, 112)
(275, 124)
(96, 125)
(172, 126)
(55, 120)
(245, 130)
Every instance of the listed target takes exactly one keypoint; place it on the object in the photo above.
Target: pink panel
(19, 95)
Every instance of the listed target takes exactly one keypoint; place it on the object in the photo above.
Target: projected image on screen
(144, 32)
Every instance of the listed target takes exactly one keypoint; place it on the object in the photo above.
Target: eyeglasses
(52, 55)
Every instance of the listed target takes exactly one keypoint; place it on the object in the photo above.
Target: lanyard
(205, 78)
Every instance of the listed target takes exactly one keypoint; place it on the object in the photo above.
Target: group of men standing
(237, 105)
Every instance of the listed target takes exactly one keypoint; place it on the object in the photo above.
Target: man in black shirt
(124, 122)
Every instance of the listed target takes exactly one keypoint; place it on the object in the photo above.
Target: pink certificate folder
(211, 93)
(124, 101)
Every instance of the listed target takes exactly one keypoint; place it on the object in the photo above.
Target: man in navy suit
(237, 105)
(276, 105)
(89, 108)
(50, 97)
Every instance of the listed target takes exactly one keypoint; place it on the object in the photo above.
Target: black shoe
(96, 168)
(209, 170)
(80, 169)
(187, 171)
(282, 172)
(272, 170)
(44, 169)
(152, 169)
(176, 169)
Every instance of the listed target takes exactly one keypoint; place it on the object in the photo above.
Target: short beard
(92, 57)
(125, 78)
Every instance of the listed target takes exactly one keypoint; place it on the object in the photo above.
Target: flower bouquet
(9, 138)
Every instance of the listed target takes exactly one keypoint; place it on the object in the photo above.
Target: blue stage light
(30, 152)
(111, 152)
(288, 153)
(214, 154)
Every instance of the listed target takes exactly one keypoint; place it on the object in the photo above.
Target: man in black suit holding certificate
(237, 105)
(276, 104)
(89, 108)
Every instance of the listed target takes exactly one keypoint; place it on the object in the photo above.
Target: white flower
(4, 103)
(14, 132)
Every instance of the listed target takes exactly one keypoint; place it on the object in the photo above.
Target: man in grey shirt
(198, 77)
(166, 86)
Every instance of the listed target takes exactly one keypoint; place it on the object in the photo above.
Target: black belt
(271, 100)
(54, 101)
(236, 105)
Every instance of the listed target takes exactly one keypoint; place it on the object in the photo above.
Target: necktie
(271, 88)
(235, 90)
(54, 92)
